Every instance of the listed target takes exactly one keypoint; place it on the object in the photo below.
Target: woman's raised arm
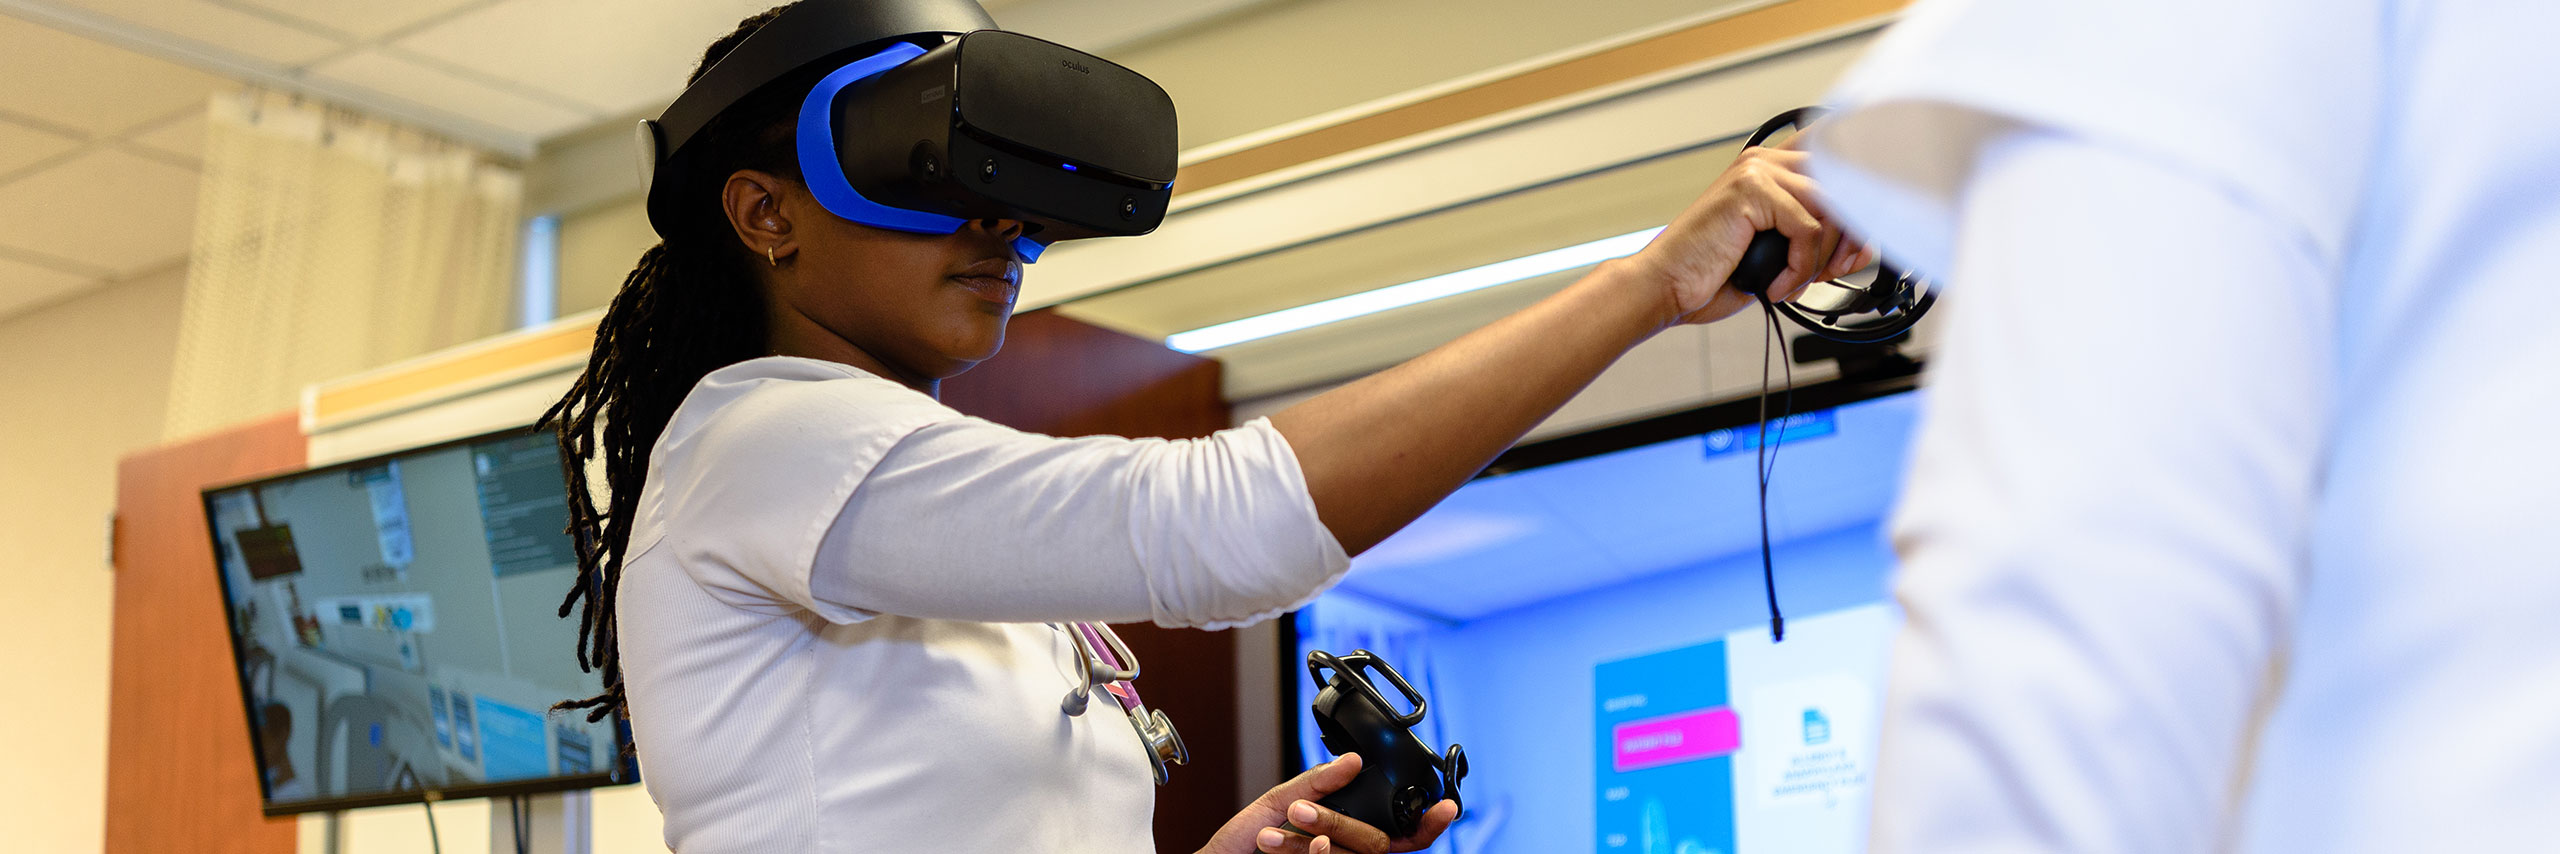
(1380, 451)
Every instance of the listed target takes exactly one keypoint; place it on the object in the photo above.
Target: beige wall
(82, 383)
(597, 249)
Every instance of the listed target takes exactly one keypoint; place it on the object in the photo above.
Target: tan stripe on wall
(439, 374)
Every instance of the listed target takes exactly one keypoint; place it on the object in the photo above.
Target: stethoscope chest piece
(1164, 743)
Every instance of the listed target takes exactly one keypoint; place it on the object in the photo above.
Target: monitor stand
(561, 823)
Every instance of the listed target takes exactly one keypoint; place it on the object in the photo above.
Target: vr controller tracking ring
(1400, 777)
(815, 138)
(1896, 298)
(1319, 661)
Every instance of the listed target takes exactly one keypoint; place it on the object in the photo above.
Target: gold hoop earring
(768, 257)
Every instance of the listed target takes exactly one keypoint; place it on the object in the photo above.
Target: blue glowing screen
(1594, 633)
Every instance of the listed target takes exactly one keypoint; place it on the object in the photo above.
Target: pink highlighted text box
(1674, 739)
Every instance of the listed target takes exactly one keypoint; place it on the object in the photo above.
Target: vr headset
(932, 118)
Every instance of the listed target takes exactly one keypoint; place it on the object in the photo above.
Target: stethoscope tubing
(1108, 663)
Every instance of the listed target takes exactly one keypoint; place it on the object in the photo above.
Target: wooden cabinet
(179, 773)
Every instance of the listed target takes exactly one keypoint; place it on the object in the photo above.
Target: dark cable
(1786, 399)
(520, 819)
(434, 842)
(1764, 456)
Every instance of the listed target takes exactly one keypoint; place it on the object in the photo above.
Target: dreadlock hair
(691, 306)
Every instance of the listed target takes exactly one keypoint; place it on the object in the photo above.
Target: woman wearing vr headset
(831, 608)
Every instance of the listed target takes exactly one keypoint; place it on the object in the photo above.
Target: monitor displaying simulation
(1593, 631)
(394, 621)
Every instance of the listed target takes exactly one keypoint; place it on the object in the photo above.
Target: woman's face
(921, 307)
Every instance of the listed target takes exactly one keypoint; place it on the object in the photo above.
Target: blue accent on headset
(826, 181)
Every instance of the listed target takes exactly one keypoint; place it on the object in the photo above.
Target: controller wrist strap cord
(1764, 453)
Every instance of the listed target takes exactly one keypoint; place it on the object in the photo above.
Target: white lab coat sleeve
(2104, 531)
(751, 470)
(2272, 101)
(969, 520)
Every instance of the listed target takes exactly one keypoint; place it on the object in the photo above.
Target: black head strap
(809, 31)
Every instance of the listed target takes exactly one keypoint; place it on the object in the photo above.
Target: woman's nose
(1006, 229)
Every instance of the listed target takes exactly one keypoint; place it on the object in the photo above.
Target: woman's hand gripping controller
(1287, 820)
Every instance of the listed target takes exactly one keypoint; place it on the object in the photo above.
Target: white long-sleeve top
(2223, 528)
(833, 619)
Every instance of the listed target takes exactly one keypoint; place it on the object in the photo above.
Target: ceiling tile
(182, 137)
(364, 19)
(66, 80)
(240, 33)
(436, 89)
(617, 55)
(24, 285)
(22, 146)
(107, 209)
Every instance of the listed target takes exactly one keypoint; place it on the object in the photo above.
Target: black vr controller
(1400, 777)
(1871, 313)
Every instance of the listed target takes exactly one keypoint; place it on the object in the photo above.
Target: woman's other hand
(1765, 188)
(1264, 827)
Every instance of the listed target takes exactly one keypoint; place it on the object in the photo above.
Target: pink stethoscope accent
(1108, 663)
(1123, 690)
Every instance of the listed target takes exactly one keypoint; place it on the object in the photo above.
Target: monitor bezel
(623, 769)
(1626, 435)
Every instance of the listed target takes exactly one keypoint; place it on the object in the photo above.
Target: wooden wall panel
(179, 773)
(1067, 378)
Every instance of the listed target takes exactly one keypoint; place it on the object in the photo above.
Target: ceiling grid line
(44, 125)
(282, 18)
(150, 126)
(493, 81)
(123, 140)
(146, 152)
(14, 311)
(23, 172)
(439, 19)
(389, 37)
(66, 265)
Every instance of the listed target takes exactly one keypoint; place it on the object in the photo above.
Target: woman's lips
(994, 289)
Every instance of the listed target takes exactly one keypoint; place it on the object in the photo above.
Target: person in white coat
(2225, 527)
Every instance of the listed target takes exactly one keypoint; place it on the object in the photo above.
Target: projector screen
(394, 622)
(1588, 621)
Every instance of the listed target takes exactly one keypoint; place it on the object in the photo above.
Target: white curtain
(328, 243)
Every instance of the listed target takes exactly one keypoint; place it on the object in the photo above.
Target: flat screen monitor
(1587, 619)
(395, 625)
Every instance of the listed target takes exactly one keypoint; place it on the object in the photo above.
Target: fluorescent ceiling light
(1418, 291)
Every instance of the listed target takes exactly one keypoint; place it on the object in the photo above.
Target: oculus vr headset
(932, 118)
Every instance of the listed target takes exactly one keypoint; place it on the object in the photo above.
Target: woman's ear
(753, 202)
